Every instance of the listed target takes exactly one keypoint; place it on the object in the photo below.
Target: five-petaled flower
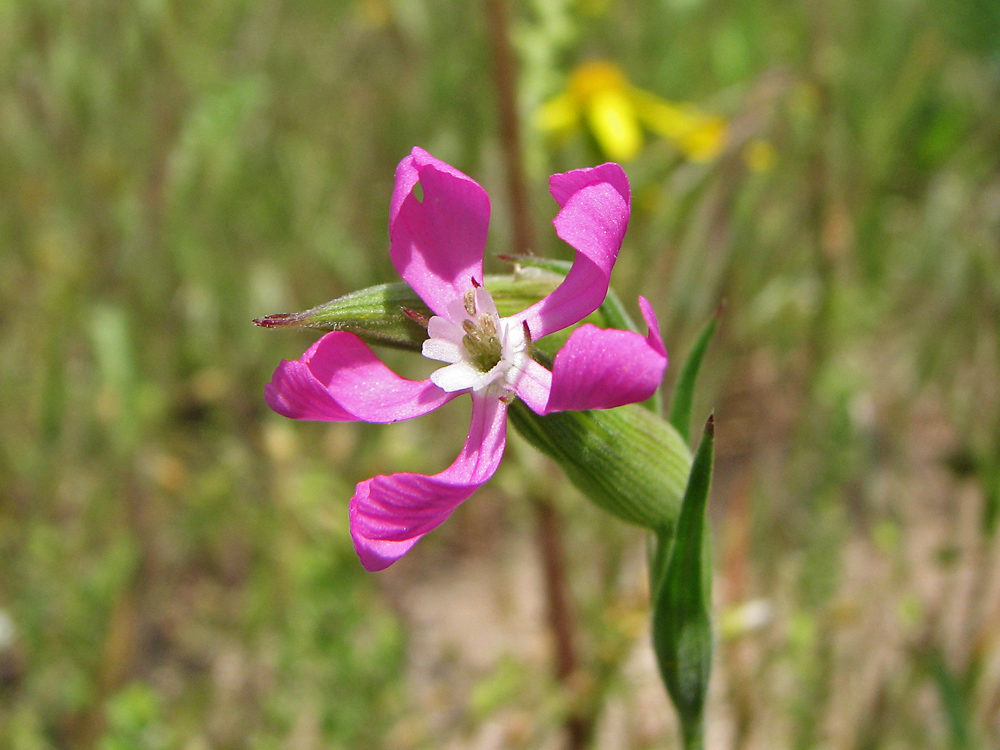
(438, 236)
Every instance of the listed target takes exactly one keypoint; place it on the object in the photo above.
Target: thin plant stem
(694, 737)
(562, 623)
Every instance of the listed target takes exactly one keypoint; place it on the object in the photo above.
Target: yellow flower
(376, 14)
(616, 112)
(759, 155)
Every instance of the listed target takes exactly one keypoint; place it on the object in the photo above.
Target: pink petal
(563, 186)
(339, 379)
(601, 368)
(596, 205)
(389, 514)
(534, 386)
(653, 325)
(437, 242)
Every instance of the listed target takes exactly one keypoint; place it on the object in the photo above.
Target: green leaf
(627, 460)
(954, 699)
(991, 506)
(682, 599)
(680, 409)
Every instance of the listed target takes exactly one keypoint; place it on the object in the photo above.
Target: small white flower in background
(747, 617)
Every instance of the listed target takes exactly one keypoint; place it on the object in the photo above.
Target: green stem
(694, 735)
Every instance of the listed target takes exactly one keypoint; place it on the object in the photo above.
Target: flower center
(482, 343)
(480, 347)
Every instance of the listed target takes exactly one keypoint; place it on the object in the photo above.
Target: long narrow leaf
(682, 627)
(680, 409)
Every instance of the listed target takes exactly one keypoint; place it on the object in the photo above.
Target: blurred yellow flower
(759, 155)
(616, 112)
(376, 14)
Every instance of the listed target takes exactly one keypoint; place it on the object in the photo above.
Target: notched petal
(593, 220)
(437, 243)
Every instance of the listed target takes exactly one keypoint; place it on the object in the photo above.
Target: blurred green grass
(175, 560)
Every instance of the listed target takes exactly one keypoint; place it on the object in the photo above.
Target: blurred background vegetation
(175, 567)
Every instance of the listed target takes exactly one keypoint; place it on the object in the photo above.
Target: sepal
(390, 314)
(377, 315)
(626, 460)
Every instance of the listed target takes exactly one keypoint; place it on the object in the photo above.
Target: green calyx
(393, 315)
(377, 315)
(626, 460)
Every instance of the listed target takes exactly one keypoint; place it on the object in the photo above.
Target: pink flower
(437, 241)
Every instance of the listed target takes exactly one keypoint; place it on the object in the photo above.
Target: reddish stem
(504, 75)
